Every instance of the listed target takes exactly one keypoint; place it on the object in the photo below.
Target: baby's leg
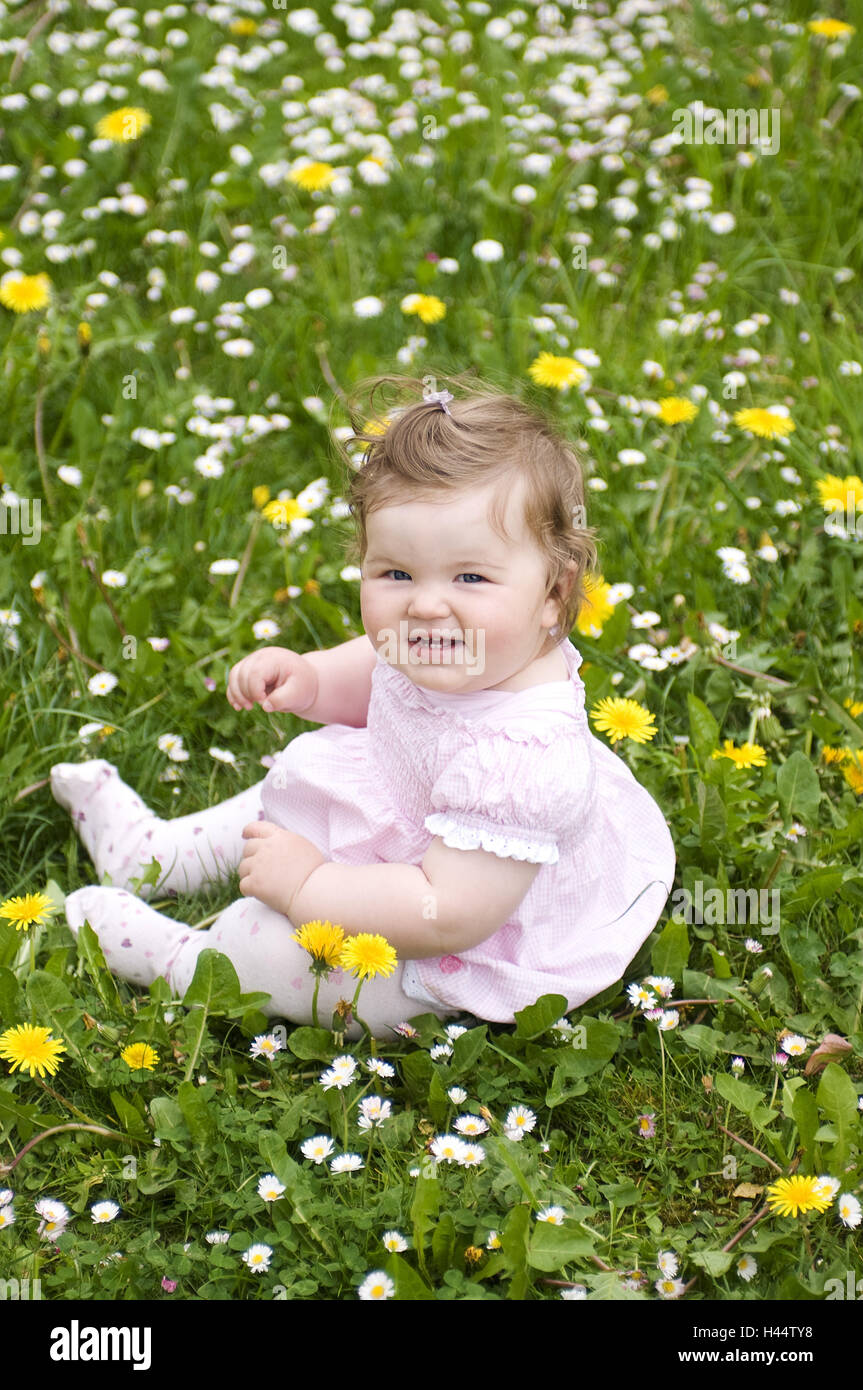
(140, 944)
(122, 835)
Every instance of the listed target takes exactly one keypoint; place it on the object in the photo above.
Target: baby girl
(456, 800)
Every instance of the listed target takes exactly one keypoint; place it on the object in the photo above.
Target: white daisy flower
(224, 567)
(373, 1112)
(454, 1030)
(222, 755)
(754, 947)
(827, 1186)
(470, 1124)
(346, 1163)
(114, 579)
(457, 1095)
(102, 683)
(555, 1216)
(492, 1241)
(471, 1156)
(380, 1068)
(376, 1287)
(440, 1050)
(794, 1045)
(447, 1148)
(269, 1188)
(67, 473)
(369, 307)
(576, 1294)
(747, 1267)
(667, 1262)
(670, 1019)
(488, 250)
(104, 1211)
(258, 1257)
(238, 347)
(6, 1196)
(217, 1237)
(519, 1121)
(662, 984)
(266, 1045)
(317, 1149)
(669, 1288)
(394, 1241)
(848, 1208)
(639, 997)
(7, 1216)
(738, 1066)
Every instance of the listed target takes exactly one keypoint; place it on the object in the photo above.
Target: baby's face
(447, 600)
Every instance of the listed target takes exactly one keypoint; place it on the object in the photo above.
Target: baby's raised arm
(454, 900)
(328, 687)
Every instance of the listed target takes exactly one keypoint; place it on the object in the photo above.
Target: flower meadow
(216, 218)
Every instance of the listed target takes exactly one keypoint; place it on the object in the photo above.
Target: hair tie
(439, 398)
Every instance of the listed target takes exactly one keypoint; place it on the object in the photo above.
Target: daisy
(738, 1066)
(28, 911)
(394, 1241)
(794, 1045)
(646, 1126)
(639, 997)
(663, 984)
(373, 1112)
(487, 250)
(790, 1196)
(140, 1056)
(376, 1287)
(670, 1019)
(367, 955)
(33, 1048)
(576, 1294)
(553, 1215)
(557, 372)
(470, 1124)
(446, 1148)
(747, 1267)
(471, 1156)
(266, 1045)
(669, 1288)
(519, 1121)
(666, 1261)
(454, 1030)
(828, 1187)
(369, 307)
(346, 1163)
(492, 1241)
(754, 947)
(217, 1237)
(258, 1257)
(269, 1188)
(104, 1211)
(380, 1068)
(102, 683)
(848, 1209)
(54, 1217)
(621, 718)
(7, 1216)
(457, 1095)
(440, 1050)
(6, 1196)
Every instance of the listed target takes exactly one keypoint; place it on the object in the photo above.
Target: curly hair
(414, 450)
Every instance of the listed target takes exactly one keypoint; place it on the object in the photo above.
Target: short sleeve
(515, 797)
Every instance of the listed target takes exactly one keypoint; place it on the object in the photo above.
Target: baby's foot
(109, 818)
(138, 943)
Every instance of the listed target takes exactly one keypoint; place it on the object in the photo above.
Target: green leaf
(703, 728)
(513, 1240)
(671, 952)
(837, 1097)
(804, 1110)
(702, 1038)
(311, 1043)
(416, 1069)
(11, 999)
(443, 1243)
(90, 952)
(711, 817)
(197, 1113)
(410, 1288)
(169, 1120)
(713, 1262)
(622, 1194)
(467, 1048)
(536, 1018)
(215, 985)
(438, 1100)
(798, 787)
(54, 1007)
(744, 1097)
(129, 1117)
(424, 1210)
(503, 1149)
(551, 1247)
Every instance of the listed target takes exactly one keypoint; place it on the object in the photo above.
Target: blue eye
(389, 572)
(474, 576)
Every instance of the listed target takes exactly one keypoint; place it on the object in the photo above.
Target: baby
(456, 801)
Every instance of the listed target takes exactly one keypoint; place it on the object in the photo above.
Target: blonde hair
(416, 450)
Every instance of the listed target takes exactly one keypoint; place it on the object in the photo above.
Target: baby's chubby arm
(454, 900)
(328, 687)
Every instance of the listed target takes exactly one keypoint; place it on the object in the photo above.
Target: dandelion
(30, 910)
(140, 1056)
(840, 494)
(473, 1254)
(767, 424)
(596, 608)
(621, 718)
(266, 1045)
(127, 123)
(346, 1163)
(394, 1241)
(376, 1287)
(848, 1210)
(283, 511)
(747, 755)
(519, 1121)
(367, 955)
(317, 1149)
(258, 1257)
(104, 1211)
(747, 1268)
(23, 293)
(324, 943)
(830, 28)
(269, 1188)
(33, 1048)
(791, 1196)
(853, 771)
(312, 175)
(427, 307)
(557, 372)
(646, 1125)
(676, 410)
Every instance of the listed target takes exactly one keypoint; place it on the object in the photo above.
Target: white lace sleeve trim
(458, 835)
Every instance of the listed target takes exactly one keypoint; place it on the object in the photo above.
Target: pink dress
(516, 773)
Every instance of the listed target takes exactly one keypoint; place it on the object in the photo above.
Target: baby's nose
(428, 601)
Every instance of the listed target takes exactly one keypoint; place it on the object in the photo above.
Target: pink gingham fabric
(517, 773)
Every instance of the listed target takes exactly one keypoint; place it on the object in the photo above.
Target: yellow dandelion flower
(656, 95)
(367, 955)
(854, 707)
(31, 1047)
(473, 1255)
(126, 123)
(853, 772)
(31, 910)
(323, 941)
(313, 176)
(791, 1196)
(311, 586)
(596, 607)
(747, 755)
(280, 513)
(830, 28)
(767, 424)
(23, 293)
(377, 426)
(85, 337)
(559, 372)
(835, 755)
(841, 494)
(140, 1056)
(261, 495)
(676, 410)
(620, 718)
(244, 27)
(427, 307)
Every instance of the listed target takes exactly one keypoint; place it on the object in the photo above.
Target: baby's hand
(276, 864)
(274, 677)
